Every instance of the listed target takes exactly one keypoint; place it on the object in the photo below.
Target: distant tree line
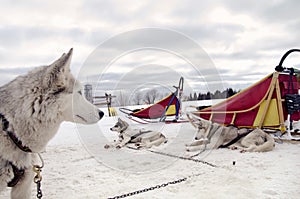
(216, 95)
(146, 98)
(153, 95)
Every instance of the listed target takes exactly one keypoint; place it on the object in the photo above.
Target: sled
(266, 104)
(158, 112)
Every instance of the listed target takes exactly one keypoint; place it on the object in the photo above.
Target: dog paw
(233, 147)
(243, 151)
(118, 147)
(106, 146)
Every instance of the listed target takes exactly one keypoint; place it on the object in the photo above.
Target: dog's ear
(119, 120)
(125, 124)
(55, 76)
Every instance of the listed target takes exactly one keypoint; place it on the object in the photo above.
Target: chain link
(183, 158)
(149, 189)
(39, 194)
(37, 179)
(170, 182)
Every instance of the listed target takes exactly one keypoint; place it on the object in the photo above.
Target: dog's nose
(101, 114)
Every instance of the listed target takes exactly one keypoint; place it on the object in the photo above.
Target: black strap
(138, 134)
(12, 136)
(18, 174)
(238, 137)
(5, 123)
(18, 142)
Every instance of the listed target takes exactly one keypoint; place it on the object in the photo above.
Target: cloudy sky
(146, 42)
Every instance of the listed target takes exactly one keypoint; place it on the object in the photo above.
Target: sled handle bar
(280, 68)
(179, 88)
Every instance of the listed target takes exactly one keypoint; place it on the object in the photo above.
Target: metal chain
(168, 183)
(39, 194)
(183, 158)
(149, 189)
(37, 179)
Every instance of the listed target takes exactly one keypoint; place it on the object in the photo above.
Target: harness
(13, 136)
(18, 172)
(236, 139)
(133, 136)
(139, 133)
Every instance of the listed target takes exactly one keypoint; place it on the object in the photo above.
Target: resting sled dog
(139, 138)
(216, 136)
(32, 107)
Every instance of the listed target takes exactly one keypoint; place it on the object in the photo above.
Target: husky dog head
(37, 103)
(120, 126)
(77, 108)
(202, 128)
(63, 87)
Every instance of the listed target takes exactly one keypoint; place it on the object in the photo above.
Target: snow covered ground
(77, 166)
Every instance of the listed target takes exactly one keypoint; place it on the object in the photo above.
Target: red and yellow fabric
(248, 107)
(168, 106)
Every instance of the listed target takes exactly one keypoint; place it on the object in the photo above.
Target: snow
(78, 166)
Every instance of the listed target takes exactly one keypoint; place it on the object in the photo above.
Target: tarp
(261, 105)
(168, 106)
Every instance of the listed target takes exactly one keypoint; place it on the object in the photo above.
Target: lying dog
(32, 107)
(215, 136)
(140, 138)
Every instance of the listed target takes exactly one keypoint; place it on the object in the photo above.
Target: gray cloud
(12, 35)
(266, 11)
(98, 21)
(226, 33)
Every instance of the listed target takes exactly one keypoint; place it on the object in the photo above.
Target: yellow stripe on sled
(271, 118)
(171, 110)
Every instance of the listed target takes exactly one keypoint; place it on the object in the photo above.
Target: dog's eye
(80, 93)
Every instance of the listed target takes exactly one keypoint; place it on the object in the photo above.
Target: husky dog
(215, 136)
(139, 137)
(32, 107)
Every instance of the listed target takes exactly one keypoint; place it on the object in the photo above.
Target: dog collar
(13, 136)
